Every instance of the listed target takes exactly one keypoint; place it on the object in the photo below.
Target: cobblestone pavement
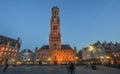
(57, 70)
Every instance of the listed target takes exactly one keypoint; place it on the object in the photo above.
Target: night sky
(83, 22)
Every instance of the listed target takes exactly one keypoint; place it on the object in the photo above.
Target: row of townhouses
(9, 49)
(103, 53)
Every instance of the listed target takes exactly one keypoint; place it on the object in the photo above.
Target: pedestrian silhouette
(6, 65)
(72, 68)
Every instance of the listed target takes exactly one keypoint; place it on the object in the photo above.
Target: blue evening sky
(83, 22)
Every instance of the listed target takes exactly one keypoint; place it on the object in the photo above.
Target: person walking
(72, 68)
(6, 65)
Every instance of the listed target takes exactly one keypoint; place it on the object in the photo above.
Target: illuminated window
(13, 50)
(2, 48)
(1, 53)
(6, 49)
(9, 53)
(5, 53)
(16, 50)
(9, 49)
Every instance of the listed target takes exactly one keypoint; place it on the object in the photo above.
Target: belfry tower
(55, 52)
(55, 36)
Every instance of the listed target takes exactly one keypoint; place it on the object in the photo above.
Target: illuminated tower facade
(55, 52)
(55, 36)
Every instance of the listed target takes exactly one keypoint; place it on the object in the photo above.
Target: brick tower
(55, 36)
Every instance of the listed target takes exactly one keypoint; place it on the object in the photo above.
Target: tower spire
(55, 36)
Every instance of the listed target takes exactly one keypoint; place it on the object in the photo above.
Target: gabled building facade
(106, 53)
(9, 49)
(26, 56)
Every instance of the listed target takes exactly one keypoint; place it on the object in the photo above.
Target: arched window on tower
(54, 27)
(55, 46)
(55, 13)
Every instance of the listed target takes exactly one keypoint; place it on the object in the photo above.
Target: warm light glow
(37, 59)
(6, 49)
(49, 59)
(28, 59)
(101, 57)
(108, 57)
(91, 48)
(10, 49)
(76, 58)
(2, 48)
(29, 62)
(1, 53)
(18, 62)
(59, 57)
